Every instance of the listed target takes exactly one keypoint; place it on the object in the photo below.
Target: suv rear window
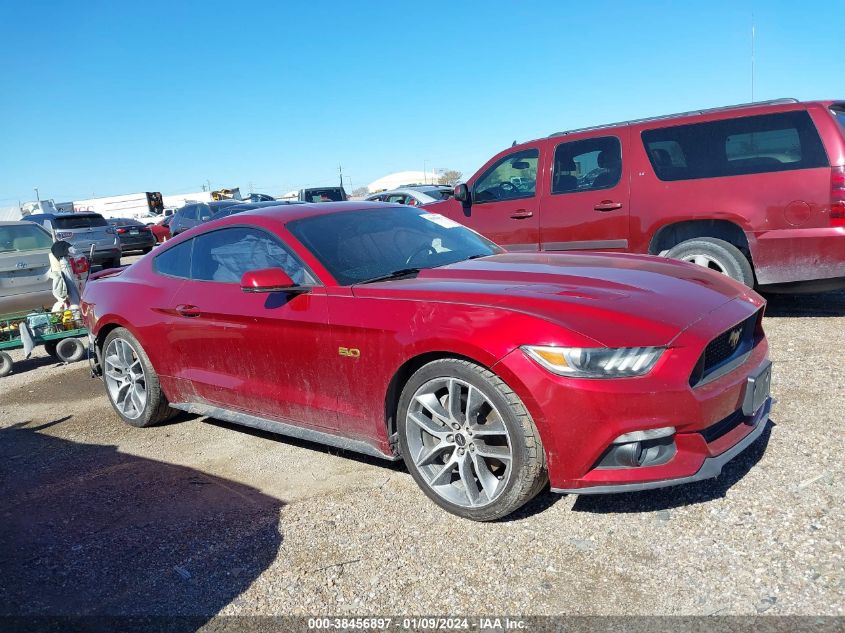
(839, 115)
(18, 237)
(745, 145)
(79, 221)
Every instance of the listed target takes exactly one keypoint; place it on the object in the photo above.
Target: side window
(175, 261)
(514, 176)
(227, 254)
(733, 147)
(587, 165)
(397, 198)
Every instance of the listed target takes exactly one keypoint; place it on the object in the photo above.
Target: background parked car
(24, 265)
(258, 197)
(413, 196)
(133, 235)
(161, 230)
(323, 194)
(196, 213)
(756, 192)
(83, 230)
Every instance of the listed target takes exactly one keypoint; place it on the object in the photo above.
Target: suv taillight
(837, 196)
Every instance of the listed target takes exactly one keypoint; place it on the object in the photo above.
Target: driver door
(505, 206)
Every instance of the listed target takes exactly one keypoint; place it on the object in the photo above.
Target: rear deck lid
(84, 229)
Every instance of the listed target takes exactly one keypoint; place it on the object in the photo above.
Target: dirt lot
(199, 517)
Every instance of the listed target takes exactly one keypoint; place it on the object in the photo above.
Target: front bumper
(711, 467)
(579, 420)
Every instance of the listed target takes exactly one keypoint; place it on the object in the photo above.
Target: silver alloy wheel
(125, 378)
(459, 442)
(707, 261)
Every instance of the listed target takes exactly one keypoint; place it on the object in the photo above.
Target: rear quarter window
(175, 261)
(733, 147)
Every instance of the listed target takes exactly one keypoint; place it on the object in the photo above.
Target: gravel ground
(199, 517)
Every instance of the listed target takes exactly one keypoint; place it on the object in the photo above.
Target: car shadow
(86, 530)
(683, 495)
(827, 304)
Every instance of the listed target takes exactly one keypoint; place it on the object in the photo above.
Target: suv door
(585, 206)
(504, 203)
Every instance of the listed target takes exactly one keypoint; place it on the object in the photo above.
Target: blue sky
(114, 97)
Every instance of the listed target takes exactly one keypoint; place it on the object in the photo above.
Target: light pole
(37, 197)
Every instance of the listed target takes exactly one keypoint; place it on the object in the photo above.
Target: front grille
(723, 427)
(725, 348)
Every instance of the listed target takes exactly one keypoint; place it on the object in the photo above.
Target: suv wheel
(717, 255)
(131, 382)
(468, 441)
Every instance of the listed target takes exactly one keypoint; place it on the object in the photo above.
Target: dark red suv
(754, 191)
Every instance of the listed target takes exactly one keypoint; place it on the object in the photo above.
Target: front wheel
(717, 255)
(468, 440)
(131, 382)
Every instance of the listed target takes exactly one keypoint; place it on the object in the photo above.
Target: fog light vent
(648, 452)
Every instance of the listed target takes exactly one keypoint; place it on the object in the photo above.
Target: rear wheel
(5, 364)
(69, 350)
(717, 255)
(131, 382)
(468, 441)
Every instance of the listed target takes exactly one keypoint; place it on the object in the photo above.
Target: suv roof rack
(678, 115)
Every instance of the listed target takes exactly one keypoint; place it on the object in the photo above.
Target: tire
(50, 348)
(70, 350)
(5, 364)
(146, 250)
(122, 352)
(717, 255)
(442, 459)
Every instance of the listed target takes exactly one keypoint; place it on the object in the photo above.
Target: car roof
(266, 203)
(76, 214)
(290, 212)
(16, 223)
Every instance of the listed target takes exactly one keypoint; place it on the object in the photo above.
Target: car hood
(610, 298)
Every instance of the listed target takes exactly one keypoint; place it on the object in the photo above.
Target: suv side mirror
(267, 280)
(462, 193)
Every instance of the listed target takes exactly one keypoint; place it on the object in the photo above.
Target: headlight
(595, 362)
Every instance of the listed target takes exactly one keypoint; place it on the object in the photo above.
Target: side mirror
(267, 280)
(462, 193)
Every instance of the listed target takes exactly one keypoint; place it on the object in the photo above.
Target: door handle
(608, 205)
(522, 214)
(188, 310)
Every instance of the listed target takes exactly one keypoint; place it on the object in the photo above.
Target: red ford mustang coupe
(399, 333)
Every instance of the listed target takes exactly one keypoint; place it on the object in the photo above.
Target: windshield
(16, 237)
(361, 245)
(73, 221)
